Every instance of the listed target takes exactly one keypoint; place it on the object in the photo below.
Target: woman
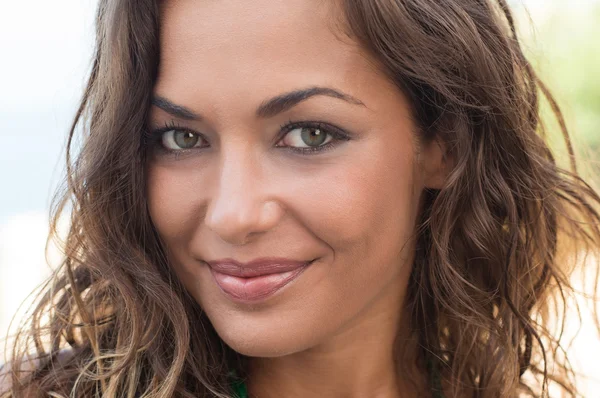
(309, 199)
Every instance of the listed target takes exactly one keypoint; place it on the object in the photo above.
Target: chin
(263, 350)
(265, 342)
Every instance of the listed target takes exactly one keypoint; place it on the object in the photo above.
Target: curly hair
(496, 245)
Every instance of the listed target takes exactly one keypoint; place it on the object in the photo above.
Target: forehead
(254, 49)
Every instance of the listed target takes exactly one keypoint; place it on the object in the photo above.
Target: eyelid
(329, 128)
(167, 126)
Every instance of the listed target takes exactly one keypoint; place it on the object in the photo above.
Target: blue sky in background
(45, 48)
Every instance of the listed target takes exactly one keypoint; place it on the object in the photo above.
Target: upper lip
(257, 267)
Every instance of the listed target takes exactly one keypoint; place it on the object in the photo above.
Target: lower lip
(257, 288)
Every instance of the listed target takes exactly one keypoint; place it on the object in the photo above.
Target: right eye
(175, 140)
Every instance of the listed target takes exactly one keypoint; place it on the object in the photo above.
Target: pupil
(312, 136)
(185, 139)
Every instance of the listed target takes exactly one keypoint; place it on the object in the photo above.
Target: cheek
(171, 204)
(372, 200)
(364, 208)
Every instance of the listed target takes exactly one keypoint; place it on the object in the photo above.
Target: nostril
(239, 220)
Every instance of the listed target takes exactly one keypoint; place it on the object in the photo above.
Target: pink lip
(255, 280)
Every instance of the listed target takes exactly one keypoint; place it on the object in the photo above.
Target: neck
(357, 362)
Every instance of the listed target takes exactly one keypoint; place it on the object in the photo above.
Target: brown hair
(496, 248)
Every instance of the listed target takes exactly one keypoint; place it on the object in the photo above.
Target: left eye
(306, 137)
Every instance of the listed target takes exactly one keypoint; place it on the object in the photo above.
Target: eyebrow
(175, 110)
(267, 109)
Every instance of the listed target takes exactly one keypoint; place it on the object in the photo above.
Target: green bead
(240, 390)
(238, 386)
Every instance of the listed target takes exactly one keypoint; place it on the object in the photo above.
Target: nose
(241, 204)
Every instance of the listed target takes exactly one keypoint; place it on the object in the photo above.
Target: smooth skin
(241, 192)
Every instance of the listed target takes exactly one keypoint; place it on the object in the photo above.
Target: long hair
(496, 245)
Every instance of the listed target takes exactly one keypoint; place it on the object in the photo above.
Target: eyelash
(152, 138)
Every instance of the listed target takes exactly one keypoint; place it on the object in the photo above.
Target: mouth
(257, 282)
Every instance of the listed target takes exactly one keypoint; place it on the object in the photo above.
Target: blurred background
(45, 54)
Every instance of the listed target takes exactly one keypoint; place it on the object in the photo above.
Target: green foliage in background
(564, 46)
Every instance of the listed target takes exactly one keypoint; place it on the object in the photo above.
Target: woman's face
(242, 189)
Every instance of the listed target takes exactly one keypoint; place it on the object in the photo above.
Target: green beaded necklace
(240, 390)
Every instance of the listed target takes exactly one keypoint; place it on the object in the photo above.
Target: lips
(255, 280)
